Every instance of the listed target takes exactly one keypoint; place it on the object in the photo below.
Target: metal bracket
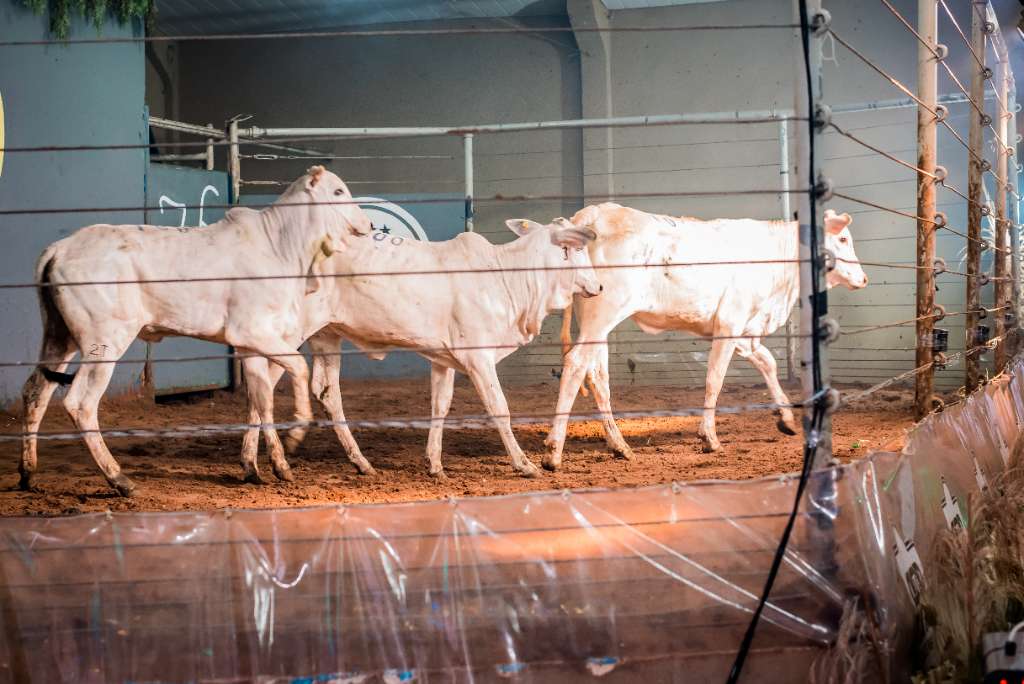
(829, 258)
(823, 189)
(986, 245)
(983, 280)
(941, 112)
(938, 312)
(986, 119)
(988, 28)
(986, 165)
(938, 405)
(987, 73)
(939, 360)
(939, 219)
(831, 401)
(939, 265)
(940, 174)
(820, 22)
(980, 335)
(829, 331)
(941, 51)
(940, 340)
(822, 115)
(985, 211)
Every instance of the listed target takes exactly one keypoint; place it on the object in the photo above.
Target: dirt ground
(203, 472)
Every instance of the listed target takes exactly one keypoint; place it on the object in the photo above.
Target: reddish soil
(203, 472)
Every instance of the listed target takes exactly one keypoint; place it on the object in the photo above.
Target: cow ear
(314, 274)
(576, 238)
(314, 174)
(835, 223)
(522, 226)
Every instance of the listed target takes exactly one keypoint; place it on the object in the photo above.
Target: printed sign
(390, 221)
(951, 509)
(908, 562)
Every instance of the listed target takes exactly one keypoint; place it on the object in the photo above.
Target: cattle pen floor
(203, 472)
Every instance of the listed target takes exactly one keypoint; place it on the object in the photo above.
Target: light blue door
(179, 196)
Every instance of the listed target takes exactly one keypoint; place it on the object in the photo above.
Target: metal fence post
(974, 181)
(927, 91)
(1014, 192)
(1001, 272)
(813, 294)
(209, 150)
(234, 162)
(467, 154)
(792, 337)
(235, 176)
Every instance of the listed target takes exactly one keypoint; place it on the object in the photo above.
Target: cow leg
(253, 367)
(574, 369)
(326, 387)
(82, 404)
(485, 378)
(261, 397)
(442, 385)
(718, 365)
(36, 397)
(763, 360)
(599, 382)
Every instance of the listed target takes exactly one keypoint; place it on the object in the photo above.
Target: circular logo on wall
(390, 221)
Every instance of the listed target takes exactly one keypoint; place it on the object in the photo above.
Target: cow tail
(55, 330)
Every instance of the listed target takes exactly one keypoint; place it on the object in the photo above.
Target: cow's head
(838, 240)
(564, 254)
(340, 215)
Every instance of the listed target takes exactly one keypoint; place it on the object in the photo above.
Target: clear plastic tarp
(654, 582)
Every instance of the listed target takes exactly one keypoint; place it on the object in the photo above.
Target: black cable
(818, 413)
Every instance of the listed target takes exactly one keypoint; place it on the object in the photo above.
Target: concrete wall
(472, 79)
(62, 95)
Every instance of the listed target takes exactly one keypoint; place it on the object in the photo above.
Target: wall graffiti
(166, 202)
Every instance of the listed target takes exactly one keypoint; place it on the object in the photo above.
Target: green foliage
(96, 11)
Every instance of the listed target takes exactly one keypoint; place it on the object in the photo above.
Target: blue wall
(62, 95)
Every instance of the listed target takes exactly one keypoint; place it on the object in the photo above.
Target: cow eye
(844, 240)
(339, 191)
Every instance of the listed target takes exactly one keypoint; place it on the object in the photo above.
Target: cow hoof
(787, 427)
(439, 475)
(624, 452)
(253, 477)
(284, 474)
(530, 470)
(367, 470)
(124, 486)
(710, 448)
(291, 444)
(551, 463)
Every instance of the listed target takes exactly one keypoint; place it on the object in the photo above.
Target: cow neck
(293, 233)
(529, 310)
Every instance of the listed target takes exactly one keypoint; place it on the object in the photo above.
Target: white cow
(464, 304)
(735, 303)
(207, 291)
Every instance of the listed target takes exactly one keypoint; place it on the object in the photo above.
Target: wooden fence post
(927, 91)
(974, 205)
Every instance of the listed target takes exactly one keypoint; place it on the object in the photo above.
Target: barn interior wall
(62, 95)
(498, 78)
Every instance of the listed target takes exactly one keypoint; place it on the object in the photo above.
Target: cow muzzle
(591, 291)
